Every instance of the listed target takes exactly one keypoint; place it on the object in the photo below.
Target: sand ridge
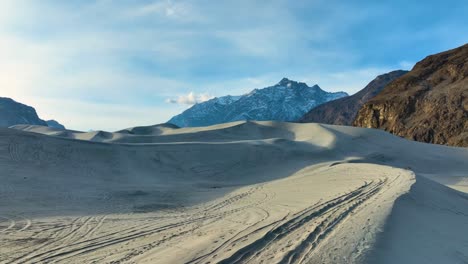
(242, 192)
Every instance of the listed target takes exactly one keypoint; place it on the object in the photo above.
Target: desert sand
(243, 192)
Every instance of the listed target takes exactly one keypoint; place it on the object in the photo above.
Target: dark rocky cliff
(14, 113)
(343, 111)
(429, 104)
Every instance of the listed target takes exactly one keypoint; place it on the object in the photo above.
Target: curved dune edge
(242, 192)
(426, 225)
(326, 213)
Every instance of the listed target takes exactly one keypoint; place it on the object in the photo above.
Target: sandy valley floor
(244, 192)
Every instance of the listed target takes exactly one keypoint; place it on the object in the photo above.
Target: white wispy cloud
(190, 99)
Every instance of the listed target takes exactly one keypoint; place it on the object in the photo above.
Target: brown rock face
(429, 104)
(343, 111)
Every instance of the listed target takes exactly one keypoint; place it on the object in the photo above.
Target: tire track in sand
(344, 204)
(11, 225)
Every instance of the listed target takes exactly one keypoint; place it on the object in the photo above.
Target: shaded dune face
(228, 157)
(242, 192)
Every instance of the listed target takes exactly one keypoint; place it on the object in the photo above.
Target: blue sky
(111, 64)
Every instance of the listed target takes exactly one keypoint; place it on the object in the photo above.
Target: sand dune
(242, 192)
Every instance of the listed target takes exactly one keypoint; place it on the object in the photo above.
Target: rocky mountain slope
(286, 101)
(343, 111)
(54, 124)
(14, 113)
(428, 104)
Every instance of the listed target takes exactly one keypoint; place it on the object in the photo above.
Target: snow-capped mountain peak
(286, 101)
(225, 100)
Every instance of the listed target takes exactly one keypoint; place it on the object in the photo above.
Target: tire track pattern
(332, 212)
(290, 239)
(77, 241)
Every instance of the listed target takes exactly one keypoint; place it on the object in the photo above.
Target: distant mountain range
(286, 101)
(343, 111)
(429, 104)
(14, 113)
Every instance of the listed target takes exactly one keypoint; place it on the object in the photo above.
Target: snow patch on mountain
(286, 101)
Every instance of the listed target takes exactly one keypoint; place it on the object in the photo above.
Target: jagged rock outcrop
(286, 101)
(14, 113)
(343, 111)
(429, 104)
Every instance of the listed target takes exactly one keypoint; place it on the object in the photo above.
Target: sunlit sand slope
(243, 192)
